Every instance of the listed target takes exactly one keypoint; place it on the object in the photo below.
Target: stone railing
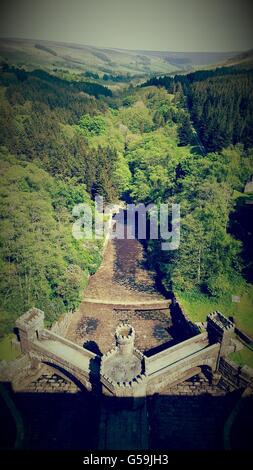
(46, 334)
(172, 354)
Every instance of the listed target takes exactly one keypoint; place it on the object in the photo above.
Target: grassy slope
(7, 351)
(78, 58)
(244, 59)
(197, 306)
(243, 357)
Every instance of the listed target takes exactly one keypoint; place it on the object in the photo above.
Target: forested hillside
(38, 114)
(214, 260)
(47, 166)
(41, 263)
(220, 103)
(206, 186)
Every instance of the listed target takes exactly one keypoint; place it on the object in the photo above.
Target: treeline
(209, 257)
(220, 103)
(42, 264)
(94, 89)
(37, 117)
(117, 78)
(47, 166)
(90, 74)
(222, 110)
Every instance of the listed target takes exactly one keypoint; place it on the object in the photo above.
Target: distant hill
(245, 59)
(190, 60)
(58, 55)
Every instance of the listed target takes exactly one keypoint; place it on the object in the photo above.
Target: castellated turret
(29, 327)
(125, 335)
(122, 368)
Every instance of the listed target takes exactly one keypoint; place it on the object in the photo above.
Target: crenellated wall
(124, 371)
(128, 356)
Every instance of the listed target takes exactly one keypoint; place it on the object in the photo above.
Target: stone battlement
(109, 354)
(125, 335)
(32, 318)
(126, 384)
(129, 388)
(122, 368)
(220, 321)
(114, 351)
(124, 371)
(29, 325)
(125, 332)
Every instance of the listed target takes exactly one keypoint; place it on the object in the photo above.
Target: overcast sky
(175, 25)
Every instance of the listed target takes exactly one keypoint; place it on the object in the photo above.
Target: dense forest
(41, 263)
(38, 112)
(47, 166)
(64, 141)
(220, 103)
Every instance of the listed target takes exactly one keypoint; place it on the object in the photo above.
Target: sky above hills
(174, 25)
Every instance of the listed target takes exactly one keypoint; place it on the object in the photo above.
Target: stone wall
(60, 327)
(128, 306)
(200, 352)
(13, 370)
(196, 385)
(50, 382)
(244, 338)
(183, 369)
(237, 376)
(170, 355)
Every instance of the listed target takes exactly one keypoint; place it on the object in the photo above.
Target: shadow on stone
(159, 348)
(84, 421)
(92, 346)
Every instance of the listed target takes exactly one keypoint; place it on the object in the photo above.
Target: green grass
(7, 351)
(73, 58)
(197, 306)
(243, 357)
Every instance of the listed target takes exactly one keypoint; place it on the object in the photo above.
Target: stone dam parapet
(124, 371)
